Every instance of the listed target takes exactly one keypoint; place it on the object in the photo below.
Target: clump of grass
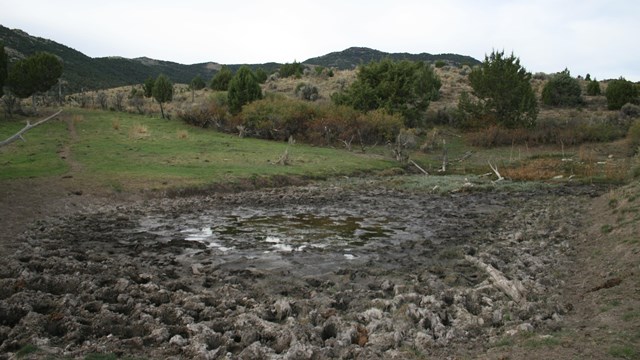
(26, 350)
(115, 124)
(182, 134)
(623, 351)
(606, 228)
(77, 118)
(139, 131)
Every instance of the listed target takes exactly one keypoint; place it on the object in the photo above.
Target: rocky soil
(309, 272)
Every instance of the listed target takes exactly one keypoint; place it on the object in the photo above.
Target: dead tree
(28, 127)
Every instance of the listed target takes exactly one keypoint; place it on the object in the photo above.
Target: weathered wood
(28, 127)
(419, 168)
(511, 288)
(495, 171)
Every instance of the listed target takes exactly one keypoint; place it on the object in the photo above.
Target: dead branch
(347, 144)
(419, 168)
(495, 171)
(464, 157)
(284, 159)
(511, 288)
(28, 127)
(444, 156)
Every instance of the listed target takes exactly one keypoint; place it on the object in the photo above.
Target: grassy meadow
(140, 152)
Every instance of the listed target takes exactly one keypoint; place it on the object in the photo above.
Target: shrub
(221, 80)
(306, 92)
(294, 69)
(277, 118)
(630, 110)
(214, 113)
(562, 90)
(440, 64)
(620, 92)
(593, 88)
(633, 138)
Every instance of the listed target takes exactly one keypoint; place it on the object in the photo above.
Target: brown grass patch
(139, 131)
(537, 169)
(115, 124)
(182, 134)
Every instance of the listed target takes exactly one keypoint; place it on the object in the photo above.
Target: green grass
(170, 153)
(26, 350)
(36, 156)
(624, 352)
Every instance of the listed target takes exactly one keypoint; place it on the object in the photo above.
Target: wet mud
(309, 272)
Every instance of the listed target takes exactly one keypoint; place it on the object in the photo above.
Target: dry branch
(419, 168)
(28, 127)
(511, 288)
(495, 171)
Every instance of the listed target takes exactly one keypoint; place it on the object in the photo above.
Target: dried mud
(308, 272)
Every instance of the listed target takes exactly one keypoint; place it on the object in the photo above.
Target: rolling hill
(82, 72)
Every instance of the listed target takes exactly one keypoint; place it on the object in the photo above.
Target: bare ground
(584, 305)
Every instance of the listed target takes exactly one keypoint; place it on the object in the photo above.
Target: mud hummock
(298, 273)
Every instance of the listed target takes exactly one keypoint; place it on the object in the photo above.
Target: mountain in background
(354, 56)
(82, 72)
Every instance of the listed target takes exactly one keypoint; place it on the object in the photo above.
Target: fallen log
(28, 127)
(511, 288)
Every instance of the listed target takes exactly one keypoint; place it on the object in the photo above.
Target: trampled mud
(305, 272)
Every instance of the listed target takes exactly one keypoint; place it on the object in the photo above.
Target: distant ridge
(352, 57)
(82, 72)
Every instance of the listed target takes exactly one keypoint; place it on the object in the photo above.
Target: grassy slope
(124, 150)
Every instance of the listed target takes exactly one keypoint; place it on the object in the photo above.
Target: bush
(504, 93)
(440, 64)
(630, 110)
(214, 113)
(307, 92)
(562, 90)
(277, 118)
(593, 88)
(633, 138)
(294, 69)
(221, 80)
(620, 92)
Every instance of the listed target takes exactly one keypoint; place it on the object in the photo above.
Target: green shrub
(294, 69)
(562, 90)
(277, 118)
(221, 80)
(243, 89)
(440, 64)
(593, 88)
(504, 94)
(633, 138)
(620, 92)
(402, 87)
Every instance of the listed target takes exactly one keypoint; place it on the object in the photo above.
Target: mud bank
(297, 273)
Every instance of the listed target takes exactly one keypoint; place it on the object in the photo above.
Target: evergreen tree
(220, 81)
(4, 64)
(243, 89)
(162, 91)
(147, 87)
(620, 92)
(562, 90)
(261, 76)
(37, 73)
(593, 88)
(197, 83)
(403, 87)
(504, 90)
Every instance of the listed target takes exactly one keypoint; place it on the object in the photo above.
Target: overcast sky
(599, 37)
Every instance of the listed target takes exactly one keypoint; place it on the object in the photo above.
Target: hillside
(354, 56)
(84, 72)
